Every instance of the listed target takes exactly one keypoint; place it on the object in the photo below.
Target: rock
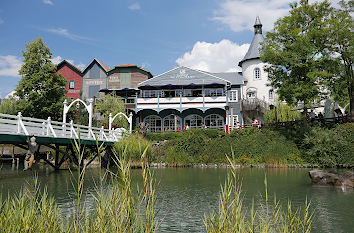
(320, 177)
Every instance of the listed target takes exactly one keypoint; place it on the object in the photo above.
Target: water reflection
(185, 195)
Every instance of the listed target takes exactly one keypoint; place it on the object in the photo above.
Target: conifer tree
(40, 90)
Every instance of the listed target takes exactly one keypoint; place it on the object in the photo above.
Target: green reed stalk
(231, 216)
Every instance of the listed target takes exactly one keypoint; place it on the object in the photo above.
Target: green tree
(40, 90)
(9, 106)
(340, 45)
(284, 113)
(111, 104)
(296, 53)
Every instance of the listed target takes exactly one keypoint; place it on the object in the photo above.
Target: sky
(210, 35)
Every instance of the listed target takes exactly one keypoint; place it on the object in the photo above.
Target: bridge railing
(11, 124)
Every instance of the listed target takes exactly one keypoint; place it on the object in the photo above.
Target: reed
(268, 216)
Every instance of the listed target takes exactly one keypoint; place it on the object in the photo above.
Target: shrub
(132, 147)
(330, 147)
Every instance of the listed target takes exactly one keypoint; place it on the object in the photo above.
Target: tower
(256, 94)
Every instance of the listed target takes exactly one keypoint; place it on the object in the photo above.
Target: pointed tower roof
(253, 50)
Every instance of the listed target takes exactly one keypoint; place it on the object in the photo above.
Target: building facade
(258, 95)
(73, 77)
(94, 78)
(185, 96)
(123, 81)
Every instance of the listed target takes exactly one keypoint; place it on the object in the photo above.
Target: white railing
(19, 125)
(181, 102)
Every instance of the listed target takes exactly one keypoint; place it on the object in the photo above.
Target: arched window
(193, 121)
(171, 122)
(154, 123)
(257, 73)
(214, 121)
(251, 93)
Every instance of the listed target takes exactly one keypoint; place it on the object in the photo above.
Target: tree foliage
(111, 104)
(340, 44)
(40, 90)
(284, 113)
(295, 50)
(9, 106)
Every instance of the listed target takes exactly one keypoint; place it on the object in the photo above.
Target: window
(213, 92)
(72, 84)
(251, 95)
(257, 73)
(125, 80)
(154, 123)
(193, 121)
(151, 93)
(214, 121)
(236, 122)
(233, 96)
(130, 101)
(270, 94)
(171, 122)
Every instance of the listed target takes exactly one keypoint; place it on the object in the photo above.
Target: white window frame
(72, 84)
(152, 121)
(257, 73)
(216, 119)
(233, 96)
(254, 96)
(271, 94)
(235, 121)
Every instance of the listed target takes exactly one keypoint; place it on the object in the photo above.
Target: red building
(74, 77)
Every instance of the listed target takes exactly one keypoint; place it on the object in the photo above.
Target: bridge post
(65, 110)
(130, 122)
(110, 122)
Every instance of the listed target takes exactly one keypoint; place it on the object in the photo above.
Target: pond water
(186, 194)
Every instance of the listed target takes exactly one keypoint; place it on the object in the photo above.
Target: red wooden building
(74, 77)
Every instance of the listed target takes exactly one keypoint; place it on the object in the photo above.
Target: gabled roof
(183, 76)
(130, 66)
(234, 78)
(253, 50)
(71, 66)
(104, 67)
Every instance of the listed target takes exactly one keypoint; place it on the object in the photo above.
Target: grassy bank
(298, 144)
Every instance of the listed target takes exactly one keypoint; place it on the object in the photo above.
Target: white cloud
(134, 7)
(48, 2)
(10, 65)
(214, 57)
(240, 15)
(65, 32)
(56, 60)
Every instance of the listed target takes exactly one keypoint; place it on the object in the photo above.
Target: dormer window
(257, 74)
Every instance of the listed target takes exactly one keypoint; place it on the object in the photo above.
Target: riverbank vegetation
(301, 143)
(117, 208)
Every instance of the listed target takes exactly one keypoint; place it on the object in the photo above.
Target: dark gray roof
(253, 50)
(234, 78)
(183, 76)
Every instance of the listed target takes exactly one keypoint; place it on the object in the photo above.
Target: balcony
(254, 104)
(181, 103)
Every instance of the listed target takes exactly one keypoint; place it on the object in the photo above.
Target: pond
(186, 194)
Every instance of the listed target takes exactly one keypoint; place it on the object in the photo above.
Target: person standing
(32, 149)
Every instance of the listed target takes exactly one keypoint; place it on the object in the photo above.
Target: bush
(133, 146)
(330, 147)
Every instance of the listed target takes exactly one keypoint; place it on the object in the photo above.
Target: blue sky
(211, 35)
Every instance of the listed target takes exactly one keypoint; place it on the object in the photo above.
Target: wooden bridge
(61, 136)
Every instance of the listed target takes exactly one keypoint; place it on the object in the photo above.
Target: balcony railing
(254, 105)
(181, 102)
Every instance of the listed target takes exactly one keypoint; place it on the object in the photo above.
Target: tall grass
(268, 216)
(117, 208)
